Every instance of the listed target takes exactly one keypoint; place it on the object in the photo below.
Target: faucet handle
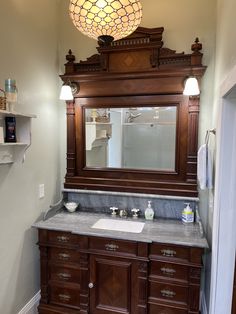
(113, 210)
(135, 212)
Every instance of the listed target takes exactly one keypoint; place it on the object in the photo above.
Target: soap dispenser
(187, 214)
(149, 212)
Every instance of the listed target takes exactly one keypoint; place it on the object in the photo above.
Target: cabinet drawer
(115, 246)
(154, 309)
(64, 255)
(62, 238)
(171, 252)
(65, 296)
(64, 274)
(169, 293)
(169, 271)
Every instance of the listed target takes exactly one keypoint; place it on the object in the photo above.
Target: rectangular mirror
(131, 137)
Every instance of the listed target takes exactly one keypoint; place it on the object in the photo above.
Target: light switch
(41, 191)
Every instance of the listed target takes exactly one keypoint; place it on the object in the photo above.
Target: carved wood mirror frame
(135, 70)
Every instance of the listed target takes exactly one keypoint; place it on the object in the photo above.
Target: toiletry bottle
(10, 129)
(149, 212)
(187, 214)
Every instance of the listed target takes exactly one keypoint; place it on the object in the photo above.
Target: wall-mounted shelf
(15, 152)
(97, 134)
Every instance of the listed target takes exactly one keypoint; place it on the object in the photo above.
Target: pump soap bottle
(187, 214)
(149, 212)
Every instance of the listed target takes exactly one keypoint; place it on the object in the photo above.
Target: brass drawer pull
(167, 293)
(64, 256)
(63, 238)
(168, 271)
(111, 247)
(64, 276)
(64, 297)
(169, 253)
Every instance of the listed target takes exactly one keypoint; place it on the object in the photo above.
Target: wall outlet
(41, 191)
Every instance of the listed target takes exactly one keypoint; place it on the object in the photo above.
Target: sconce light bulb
(191, 87)
(66, 93)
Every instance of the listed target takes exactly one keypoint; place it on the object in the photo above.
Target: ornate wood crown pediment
(141, 51)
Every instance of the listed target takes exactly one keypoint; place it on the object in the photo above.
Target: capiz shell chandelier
(106, 20)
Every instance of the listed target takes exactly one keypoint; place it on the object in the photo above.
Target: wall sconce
(191, 87)
(68, 90)
(106, 20)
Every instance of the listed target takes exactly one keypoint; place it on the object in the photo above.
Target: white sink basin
(119, 225)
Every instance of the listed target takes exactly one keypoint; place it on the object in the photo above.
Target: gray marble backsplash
(163, 206)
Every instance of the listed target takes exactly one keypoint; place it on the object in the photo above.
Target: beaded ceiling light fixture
(106, 20)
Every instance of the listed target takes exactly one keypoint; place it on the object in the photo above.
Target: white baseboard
(203, 304)
(31, 306)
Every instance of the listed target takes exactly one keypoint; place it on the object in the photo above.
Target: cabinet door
(111, 284)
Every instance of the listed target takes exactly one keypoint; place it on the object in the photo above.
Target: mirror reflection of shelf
(15, 151)
(149, 123)
(97, 134)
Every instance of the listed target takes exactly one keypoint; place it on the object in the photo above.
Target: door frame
(224, 215)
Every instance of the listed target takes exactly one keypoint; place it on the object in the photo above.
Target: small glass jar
(11, 92)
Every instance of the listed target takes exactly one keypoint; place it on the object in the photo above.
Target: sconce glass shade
(191, 87)
(66, 93)
(115, 19)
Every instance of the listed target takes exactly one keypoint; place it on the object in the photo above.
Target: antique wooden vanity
(102, 275)
(131, 78)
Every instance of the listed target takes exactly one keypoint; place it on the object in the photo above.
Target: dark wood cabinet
(174, 279)
(60, 272)
(94, 275)
(112, 282)
(118, 276)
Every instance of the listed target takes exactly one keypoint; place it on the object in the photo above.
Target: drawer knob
(64, 276)
(168, 271)
(90, 285)
(111, 247)
(167, 293)
(169, 253)
(63, 256)
(64, 297)
(63, 238)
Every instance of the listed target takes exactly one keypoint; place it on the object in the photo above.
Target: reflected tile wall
(97, 201)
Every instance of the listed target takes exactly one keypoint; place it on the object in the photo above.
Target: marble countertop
(159, 230)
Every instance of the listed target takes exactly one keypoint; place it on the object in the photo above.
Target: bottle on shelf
(10, 129)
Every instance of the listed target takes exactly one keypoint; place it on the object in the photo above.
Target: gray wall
(28, 54)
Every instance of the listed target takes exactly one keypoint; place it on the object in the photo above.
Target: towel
(209, 182)
(204, 168)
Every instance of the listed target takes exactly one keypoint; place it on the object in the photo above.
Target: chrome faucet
(135, 212)
(123, 213)
(113, 210)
